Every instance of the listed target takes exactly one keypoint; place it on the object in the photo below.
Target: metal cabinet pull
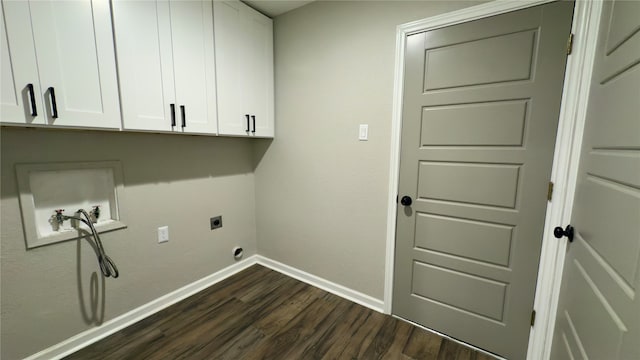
(184, 116)
(32, 100)
(247, 115)
(54, 105)
(173, 114)
(253, 117)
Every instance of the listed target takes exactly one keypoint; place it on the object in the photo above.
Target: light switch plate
(363, 134)
(163, 234)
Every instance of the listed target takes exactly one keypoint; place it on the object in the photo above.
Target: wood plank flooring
(262, 314)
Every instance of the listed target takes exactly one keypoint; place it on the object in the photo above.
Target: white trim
(565, 162)
(92, 335)
(481, 11)
(326, 285)
(394, 171)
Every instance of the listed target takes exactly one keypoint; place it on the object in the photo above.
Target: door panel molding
(565, 160)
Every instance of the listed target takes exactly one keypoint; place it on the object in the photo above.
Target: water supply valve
(95, 213)
(57, 219)
(59, 216)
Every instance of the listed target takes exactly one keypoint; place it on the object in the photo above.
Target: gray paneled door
(480, 113)
(599, 309)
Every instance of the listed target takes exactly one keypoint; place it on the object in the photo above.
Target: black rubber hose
(107, 266)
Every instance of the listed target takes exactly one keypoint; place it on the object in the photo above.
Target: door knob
(558, 232)
(406, 200)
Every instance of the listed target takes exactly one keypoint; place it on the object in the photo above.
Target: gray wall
(173, 180)
(322, 194)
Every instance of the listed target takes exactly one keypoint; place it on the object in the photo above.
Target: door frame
(566, 157)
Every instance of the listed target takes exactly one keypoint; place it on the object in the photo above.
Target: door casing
(565, 161)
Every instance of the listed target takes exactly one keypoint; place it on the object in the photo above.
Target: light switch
(363, 135)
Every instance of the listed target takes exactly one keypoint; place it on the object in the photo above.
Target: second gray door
(599, 309)
(480, 113)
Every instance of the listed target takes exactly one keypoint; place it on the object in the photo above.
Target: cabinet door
(229, 39)
(145, 64)
(18, 68)
(257, 90)
(244, 63)
(74, 48)
(194, 65)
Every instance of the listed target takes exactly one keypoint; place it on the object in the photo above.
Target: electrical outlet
(216, 222)
(163, 234)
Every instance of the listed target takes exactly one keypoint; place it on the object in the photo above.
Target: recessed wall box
(47, 188)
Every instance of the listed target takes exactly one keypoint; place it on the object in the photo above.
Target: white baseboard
(326, 285)
(92, 335)
(95, 334)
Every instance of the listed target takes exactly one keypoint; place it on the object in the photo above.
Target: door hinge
(570, 44)
(550, 191)
(533, 317)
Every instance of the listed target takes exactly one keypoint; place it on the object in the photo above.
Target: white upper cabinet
(58, 64)
(244, 64)
(166, 64)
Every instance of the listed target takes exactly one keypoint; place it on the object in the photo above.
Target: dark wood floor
(262, 314)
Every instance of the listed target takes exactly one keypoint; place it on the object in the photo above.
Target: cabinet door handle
(248, 129)
(54, 105)
(253, 117)
(184, 117)
(173, 114)
(32, 100)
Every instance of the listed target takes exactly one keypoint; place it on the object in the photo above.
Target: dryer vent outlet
(237, 253)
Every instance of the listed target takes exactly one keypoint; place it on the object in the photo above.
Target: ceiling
(273, 8)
